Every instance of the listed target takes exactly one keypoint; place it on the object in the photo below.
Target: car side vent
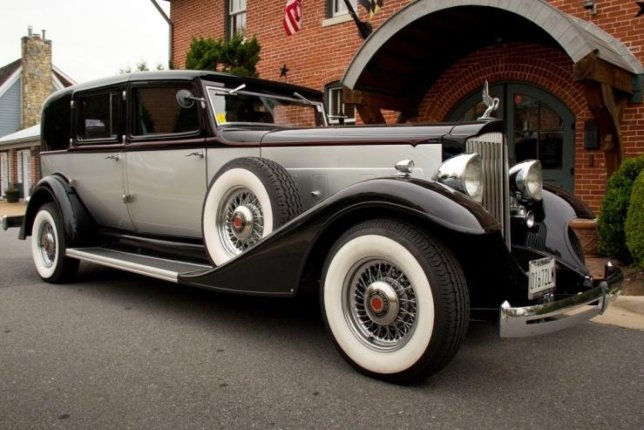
(494, 163)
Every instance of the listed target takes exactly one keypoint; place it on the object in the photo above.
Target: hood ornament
(492, 103)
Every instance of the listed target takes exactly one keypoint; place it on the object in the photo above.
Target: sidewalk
(626, 311)
(12, 208)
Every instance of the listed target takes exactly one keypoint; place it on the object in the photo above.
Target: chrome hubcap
(47, 244)
(241, 221)
(380, 304)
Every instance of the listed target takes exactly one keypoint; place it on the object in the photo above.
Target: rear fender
(77, 222)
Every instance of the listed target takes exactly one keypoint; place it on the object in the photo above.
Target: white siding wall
(4, 172)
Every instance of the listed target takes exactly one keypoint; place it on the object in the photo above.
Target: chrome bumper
(550, 317)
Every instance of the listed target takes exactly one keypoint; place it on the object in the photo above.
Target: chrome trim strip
(550, 317)
(130, 266)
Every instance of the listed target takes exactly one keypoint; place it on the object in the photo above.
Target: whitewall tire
(48, 245)
(394, 300)
(248, 199)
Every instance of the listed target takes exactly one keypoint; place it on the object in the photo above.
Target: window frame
(77, 97)
(232, 14)
(336, 87)
(333, 12)
(155, 137)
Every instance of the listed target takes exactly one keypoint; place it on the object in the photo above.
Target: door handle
(112, 157)
(195, 154)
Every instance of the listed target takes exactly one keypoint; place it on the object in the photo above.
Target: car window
(99, 116)
(246, 107)
(156, 112)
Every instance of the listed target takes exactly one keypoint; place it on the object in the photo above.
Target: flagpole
(364, 28)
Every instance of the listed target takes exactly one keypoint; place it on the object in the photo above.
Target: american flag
(293, 16)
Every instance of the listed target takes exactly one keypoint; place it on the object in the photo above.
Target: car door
(95, 160)
(165, 171)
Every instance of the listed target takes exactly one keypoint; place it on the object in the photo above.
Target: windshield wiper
(229, 92)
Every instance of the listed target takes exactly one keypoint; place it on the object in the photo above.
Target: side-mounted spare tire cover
(247, 199)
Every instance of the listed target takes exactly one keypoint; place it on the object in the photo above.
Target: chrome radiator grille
(494, 163)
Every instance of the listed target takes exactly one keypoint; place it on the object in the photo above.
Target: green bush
(238, 56)
(612, 217)
(634, 227)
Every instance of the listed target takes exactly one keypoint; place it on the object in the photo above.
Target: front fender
(77, 223)
(304, 241)
(552, 235)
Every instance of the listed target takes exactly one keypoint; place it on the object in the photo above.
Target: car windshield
(245, 107)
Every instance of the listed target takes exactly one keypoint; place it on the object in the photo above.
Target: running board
(159, 268)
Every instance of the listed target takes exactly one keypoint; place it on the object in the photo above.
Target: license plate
(541, 276)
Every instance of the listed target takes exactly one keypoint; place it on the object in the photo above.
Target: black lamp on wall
(590, 6)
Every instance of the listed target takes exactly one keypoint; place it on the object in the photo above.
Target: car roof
(252, 84)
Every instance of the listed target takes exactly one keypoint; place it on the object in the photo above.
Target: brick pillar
(36, 76)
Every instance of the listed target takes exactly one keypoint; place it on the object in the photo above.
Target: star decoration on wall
(641, 5)
(284, 71)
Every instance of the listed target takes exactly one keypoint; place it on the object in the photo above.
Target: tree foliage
(238, 56)
(141, 66)
(634, 227)
(612, 218)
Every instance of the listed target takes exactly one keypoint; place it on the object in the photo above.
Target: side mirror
(185, 99)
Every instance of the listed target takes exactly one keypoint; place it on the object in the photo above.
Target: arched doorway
(408, 53)
(539, 126)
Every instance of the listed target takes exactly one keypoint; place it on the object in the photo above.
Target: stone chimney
(36, 76)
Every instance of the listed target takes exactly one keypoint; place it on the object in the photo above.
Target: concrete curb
(626, 311)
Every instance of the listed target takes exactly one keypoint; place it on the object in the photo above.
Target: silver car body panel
(119, 191)
(165, 190)
(97, 177)
(321, 172)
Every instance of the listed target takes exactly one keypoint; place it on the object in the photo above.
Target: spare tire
(247, 199)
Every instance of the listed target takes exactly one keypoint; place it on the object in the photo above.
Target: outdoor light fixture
(590, 6)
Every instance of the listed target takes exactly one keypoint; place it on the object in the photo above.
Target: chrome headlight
(526, 180)
(463, 173)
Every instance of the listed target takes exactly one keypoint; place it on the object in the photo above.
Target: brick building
(568, 72)
(24, 86)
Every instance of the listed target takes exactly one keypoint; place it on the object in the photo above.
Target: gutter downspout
(171, 28)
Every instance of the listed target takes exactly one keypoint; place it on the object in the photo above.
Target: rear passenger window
(156, 112)
(99, 116)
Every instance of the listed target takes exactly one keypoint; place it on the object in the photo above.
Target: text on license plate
(541, 276)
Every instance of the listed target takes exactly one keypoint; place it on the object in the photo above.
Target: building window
(338, 112)
(236, 17)
(338, 7)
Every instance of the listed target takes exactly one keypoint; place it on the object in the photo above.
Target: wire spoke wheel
(246, 201)
(240, 220)
(381, 304)
(394, 299)
(47, 244)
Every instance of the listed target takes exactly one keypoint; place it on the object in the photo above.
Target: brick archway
(409, 52)
(547, 68)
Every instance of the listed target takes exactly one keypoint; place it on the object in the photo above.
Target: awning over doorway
(399, 62)
(410, 50)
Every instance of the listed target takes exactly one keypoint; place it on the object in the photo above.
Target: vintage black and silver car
(240, 185)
